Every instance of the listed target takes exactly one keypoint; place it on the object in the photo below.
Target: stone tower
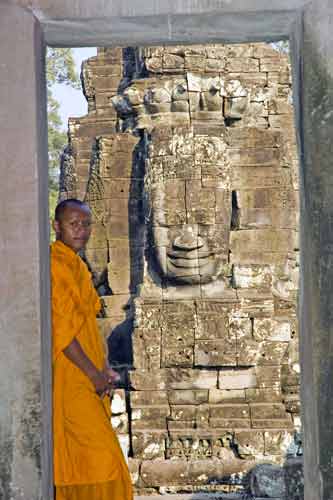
(187, 158)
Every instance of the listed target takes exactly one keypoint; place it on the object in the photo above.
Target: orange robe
(88, 461)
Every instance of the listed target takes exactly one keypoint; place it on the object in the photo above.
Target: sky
(72, 102)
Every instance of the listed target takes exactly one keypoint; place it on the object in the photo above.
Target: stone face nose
(188, 240)
(202, 102)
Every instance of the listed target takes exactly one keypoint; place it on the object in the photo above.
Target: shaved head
(69, 203)
(72, 223)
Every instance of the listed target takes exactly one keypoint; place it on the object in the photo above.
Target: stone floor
(204, 496)
(195, 496)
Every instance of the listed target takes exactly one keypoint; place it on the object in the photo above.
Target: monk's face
(74, 227)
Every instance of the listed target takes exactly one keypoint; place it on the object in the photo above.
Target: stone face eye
(179, 92)
(213, 91)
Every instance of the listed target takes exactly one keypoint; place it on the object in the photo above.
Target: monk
(88, 461)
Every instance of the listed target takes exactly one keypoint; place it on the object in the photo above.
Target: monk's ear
(56, 226)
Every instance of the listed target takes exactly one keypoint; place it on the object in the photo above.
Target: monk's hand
(113, 378)
(101, 382)
(112, 375)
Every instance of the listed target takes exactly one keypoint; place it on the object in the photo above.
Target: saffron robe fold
(87, 454)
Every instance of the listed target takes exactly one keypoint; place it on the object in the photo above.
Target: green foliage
(60, 69)
(281, 46)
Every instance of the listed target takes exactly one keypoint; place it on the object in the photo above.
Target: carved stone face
(191, 254)
(189, 208)
(187, 171)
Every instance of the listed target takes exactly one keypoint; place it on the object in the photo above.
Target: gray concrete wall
(147, 22)
(316, 304)
(24, 292)
(24, 253)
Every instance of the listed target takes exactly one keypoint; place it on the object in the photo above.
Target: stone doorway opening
(26, 27)
(187, 158)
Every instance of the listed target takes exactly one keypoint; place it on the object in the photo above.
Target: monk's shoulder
(62, 271)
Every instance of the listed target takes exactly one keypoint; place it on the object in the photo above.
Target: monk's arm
(76, 355)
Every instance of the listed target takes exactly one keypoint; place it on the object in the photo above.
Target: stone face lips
(188, 160)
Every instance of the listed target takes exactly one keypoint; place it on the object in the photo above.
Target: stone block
(158, 472)
(239, 327)
(264, 395)
(237, 379)
(230, 423)
(254, 178)
(148, 316)
(117, 305)
(226, 395)
(177, 356)
(247, 81)
(282, 424)
(211, 326)
(119, 278)
(172, 62)
(141, 398)
(272, 352)
(120, 424)
(198, 472)
(248, 351)
(120, 227)
(118, 167)
(94, 129)
(272, 63)
(252, 276)
(134, 469)
(268, 376)
(181, 426)
(215, 353)
(145, 380)
(267, 411)
(148, 445)
(189, 447)
(262, 157)
(235, 107)
(255, 304)
(191, 379)
(156, 424)
(147, 349)
(260, 218)
(105, 326)
(262, 240)
(180, 336)
(252, 137)
(177, 331)
(278, 442)
(282, 122)
(243, 64)
(191, 413)
(266, 198)
(240, 51)
(294, 477)
(99, 256)
(279, 106)
(188, 397)
(118, 402)
(214, 65)
(230, 411)
(122, 188)
(98, 236)
(249, 443)
(267, 480)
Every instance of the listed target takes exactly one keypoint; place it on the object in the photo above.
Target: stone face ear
(235, 107)
(122, 104)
